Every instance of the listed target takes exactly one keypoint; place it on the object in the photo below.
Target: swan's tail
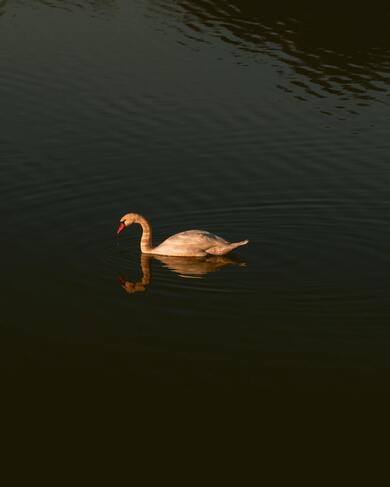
(222, 250)
(238, 244)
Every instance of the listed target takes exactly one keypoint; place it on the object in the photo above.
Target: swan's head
(127, 220)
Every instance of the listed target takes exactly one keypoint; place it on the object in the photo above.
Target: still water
(266, 123)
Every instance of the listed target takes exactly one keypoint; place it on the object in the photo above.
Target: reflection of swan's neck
(145, 267)
(146, 239)
(136, 287)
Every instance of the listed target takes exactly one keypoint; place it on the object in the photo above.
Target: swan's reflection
(187, 267)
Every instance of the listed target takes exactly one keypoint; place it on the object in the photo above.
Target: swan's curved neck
(146, 239)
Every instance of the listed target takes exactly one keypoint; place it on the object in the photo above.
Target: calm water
(270, 124)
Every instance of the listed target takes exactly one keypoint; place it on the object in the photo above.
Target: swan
(192, 243)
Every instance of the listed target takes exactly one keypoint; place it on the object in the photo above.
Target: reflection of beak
(121, 227)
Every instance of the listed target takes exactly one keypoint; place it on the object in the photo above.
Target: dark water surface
(266, 123)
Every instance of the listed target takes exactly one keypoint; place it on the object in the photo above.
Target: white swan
(192, 243)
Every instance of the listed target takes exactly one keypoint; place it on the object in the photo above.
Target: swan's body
(192, 243)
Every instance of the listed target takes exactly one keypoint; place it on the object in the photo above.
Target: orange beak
(121, 227)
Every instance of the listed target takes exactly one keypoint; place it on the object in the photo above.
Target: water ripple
(101, 8)
(319, 54)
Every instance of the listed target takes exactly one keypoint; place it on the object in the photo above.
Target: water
(266, 123)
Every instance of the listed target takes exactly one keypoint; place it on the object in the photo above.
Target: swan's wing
(190, 243)
(196, 238)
